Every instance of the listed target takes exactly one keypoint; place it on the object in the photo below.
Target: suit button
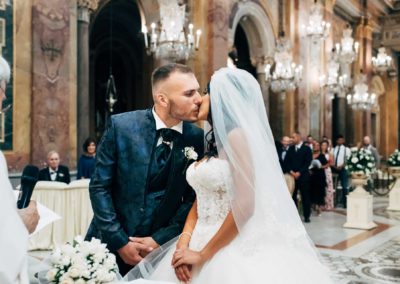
(142, 209)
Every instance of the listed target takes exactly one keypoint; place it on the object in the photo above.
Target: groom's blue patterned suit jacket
(119, 182)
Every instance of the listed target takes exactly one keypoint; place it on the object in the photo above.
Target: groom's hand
(130, 253)
(148, 242)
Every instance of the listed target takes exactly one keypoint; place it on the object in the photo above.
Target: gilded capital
(89, 4)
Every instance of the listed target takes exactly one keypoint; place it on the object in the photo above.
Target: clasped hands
(296, 175)
(183, 260)
(136, 249)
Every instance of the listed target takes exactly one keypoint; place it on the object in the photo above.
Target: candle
(198, 34)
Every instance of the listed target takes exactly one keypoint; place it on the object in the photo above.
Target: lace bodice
(212, 181)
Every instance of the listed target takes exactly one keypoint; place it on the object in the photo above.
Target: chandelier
(382, 62)
(347, 49)
(317, 28)
(283, 74)
(361, 99)
(169, 41)
(332, 83)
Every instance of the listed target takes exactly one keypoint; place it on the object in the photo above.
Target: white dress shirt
(13, 234)
(340, 154)
(53, 174)
(160, 125)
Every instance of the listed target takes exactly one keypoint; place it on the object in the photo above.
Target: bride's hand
(204, 108)
(188, 257)
(184, 273)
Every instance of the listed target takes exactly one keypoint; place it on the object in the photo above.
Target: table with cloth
(72, 203)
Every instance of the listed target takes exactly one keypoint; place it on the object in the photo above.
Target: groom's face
(183, 95)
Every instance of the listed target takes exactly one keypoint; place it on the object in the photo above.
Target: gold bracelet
(185, 233)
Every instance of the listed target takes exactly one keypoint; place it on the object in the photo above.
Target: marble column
(217, 31)
(85, 7)
(52, 81)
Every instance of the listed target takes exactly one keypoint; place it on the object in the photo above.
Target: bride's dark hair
(211, 146)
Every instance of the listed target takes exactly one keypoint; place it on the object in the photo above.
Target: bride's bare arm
(243, 201)
(190, 223)
(183, 272)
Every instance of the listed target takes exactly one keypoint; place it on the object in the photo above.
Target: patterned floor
(376, 259)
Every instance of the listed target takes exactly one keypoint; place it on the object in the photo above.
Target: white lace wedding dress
(234, 263)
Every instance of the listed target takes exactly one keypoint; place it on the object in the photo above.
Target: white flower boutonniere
(190, 154)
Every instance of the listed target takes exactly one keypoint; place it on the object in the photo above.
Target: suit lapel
(149, 142)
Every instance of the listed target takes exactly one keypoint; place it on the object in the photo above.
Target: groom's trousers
(304, 187)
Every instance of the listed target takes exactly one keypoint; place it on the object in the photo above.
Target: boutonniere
(190, 154)
(61, 174)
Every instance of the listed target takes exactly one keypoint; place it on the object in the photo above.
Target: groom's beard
(184, 115)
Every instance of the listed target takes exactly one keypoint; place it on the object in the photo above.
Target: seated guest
(87, 160)
(54, 171)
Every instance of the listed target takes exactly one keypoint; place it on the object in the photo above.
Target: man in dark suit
(299, 158)
(54, 171)
(139, 193)
(282, 148)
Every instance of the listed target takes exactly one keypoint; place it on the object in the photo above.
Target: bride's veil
(262, 207)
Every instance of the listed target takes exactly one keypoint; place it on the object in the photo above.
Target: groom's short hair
(162, 73)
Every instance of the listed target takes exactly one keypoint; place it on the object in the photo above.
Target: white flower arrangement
(82, 262)
(394, 159)
(361, 161)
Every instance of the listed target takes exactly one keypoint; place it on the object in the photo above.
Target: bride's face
(204, 108)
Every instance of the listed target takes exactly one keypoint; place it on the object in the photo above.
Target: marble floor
(359, 256)
(354, 256)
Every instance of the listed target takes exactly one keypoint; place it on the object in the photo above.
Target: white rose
(367, 158)
(99, 256)
(359, 166)
(370, 165)
(354, 160)
(74, 272)
(101, 274)
(65, 260)
(85, 273)
(110, 276)
(80, 281)
(398, 158)
(65, 279)
(51, 275)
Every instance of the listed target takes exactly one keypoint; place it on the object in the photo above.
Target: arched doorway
(117, 47)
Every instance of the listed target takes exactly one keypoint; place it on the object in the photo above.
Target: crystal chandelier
(317, 28)
(332, 83)
(169, 41)
(286, 75)
(347, 49)
(361, 99)
(382, 62)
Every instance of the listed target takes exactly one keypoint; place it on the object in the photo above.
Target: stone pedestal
(394, 195)
(359, 205)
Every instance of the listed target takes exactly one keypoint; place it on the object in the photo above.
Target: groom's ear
(162, 99)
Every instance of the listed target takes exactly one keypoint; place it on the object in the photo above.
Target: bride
(243, 227)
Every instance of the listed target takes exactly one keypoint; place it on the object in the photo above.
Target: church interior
(326, 69)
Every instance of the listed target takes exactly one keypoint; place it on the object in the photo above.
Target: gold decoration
(90, 4)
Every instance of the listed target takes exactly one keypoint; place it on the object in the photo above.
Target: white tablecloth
(72, 203)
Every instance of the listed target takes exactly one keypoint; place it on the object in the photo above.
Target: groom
(138, 188)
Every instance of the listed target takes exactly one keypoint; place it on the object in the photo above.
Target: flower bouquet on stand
(80, 261)
(394, 168)
(394, 159)
(360, 165)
